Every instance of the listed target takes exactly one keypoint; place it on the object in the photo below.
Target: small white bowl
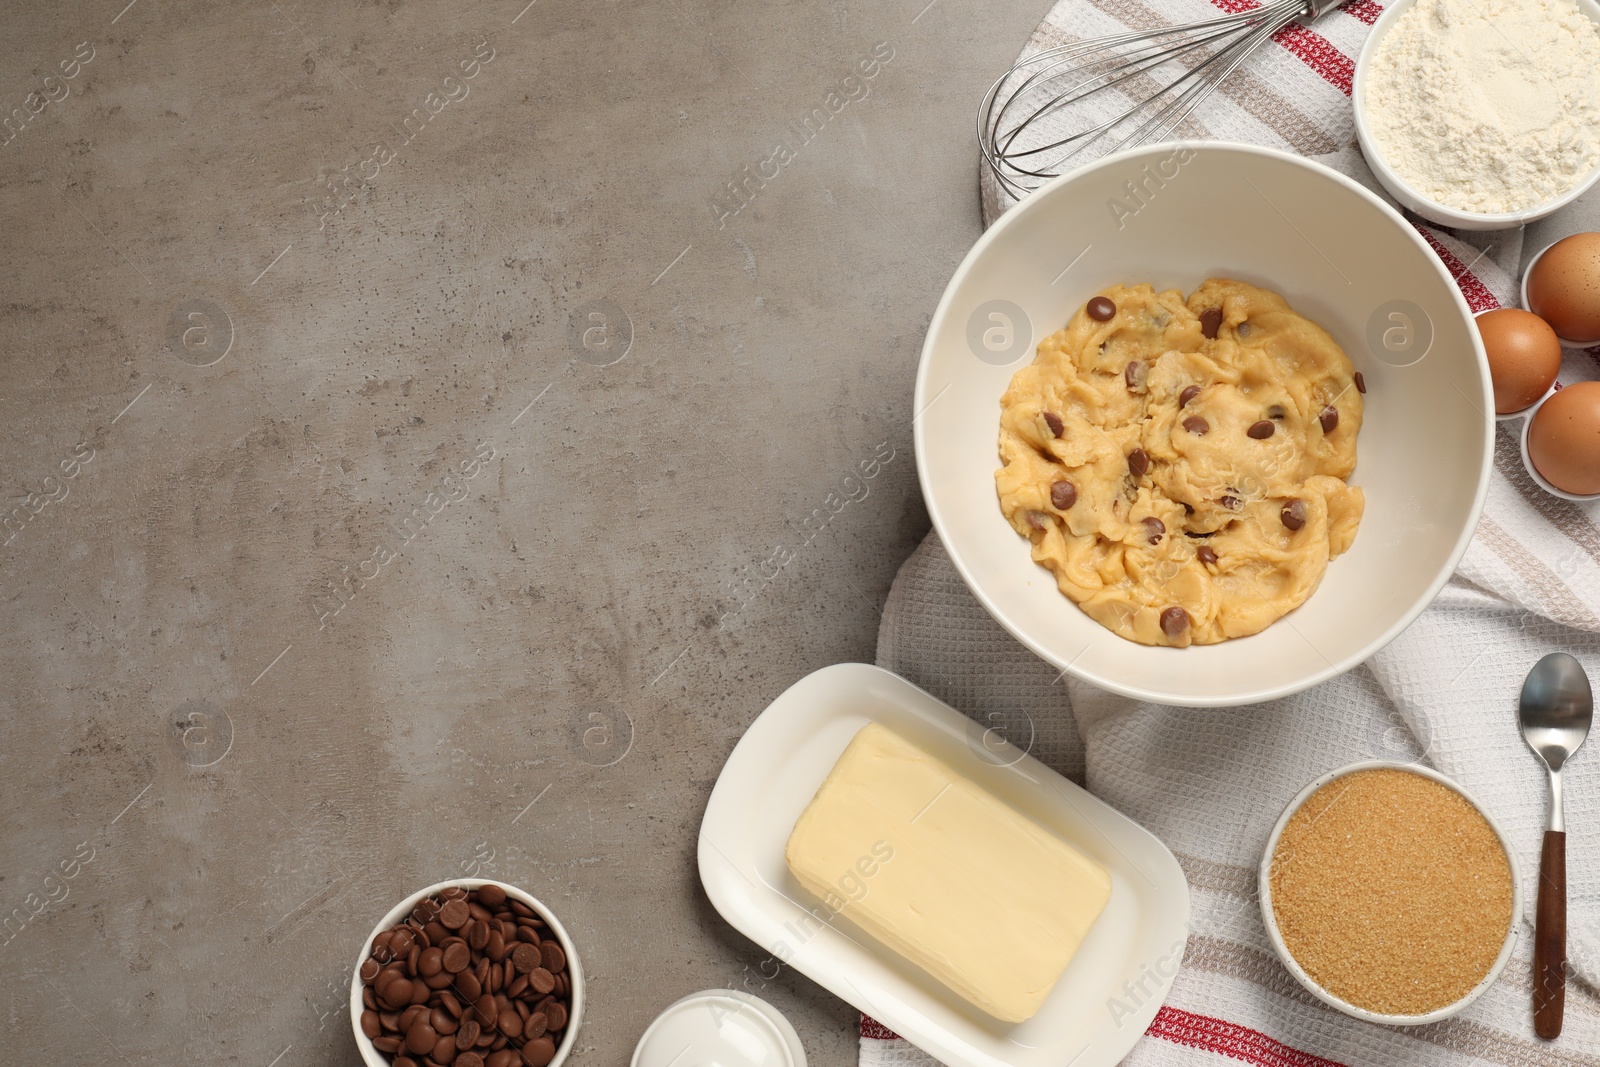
(373, 1058)
(1264, 877)
(1527, 460)
(1523, 294)
(1410, 198)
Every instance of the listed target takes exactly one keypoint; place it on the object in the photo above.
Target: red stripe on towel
(1230, 1039)
(1193, 1031)
(1310, 47)
(1479, 298)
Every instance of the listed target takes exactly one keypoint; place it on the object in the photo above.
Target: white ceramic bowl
(1340, 256)
(1264, 881)
(373, 1058)
(1410, 198)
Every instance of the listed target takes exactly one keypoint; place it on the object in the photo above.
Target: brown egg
(1564, 288)
(1564, 439)
(1524, 356)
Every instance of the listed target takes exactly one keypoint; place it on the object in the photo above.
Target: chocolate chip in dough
(1052, 420)
(1039, 520)
(1154, 528)
(1101, 309)
(1197, 426)
(1294, 514)
(1138, 462)
(1361, 383)
(1329, 418)
(1188, 394)
(1210, 322)
(1231, 501)
(1206, 554)
(1134, 375)
(1262, 430)
(1174, 621)
(1063, 495)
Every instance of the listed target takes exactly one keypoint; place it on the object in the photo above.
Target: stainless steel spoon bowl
(1556, 710)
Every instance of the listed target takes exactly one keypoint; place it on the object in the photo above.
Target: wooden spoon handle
(1550, 938)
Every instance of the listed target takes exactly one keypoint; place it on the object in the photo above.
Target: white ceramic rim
(1264, 882)
(373, 1058)
(772, 1016)
(1522, 293)
(1533, 472)
(1520, 413)
(1430, 209)
(1333, 670)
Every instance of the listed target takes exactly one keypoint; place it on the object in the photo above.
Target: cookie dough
(1180, 465)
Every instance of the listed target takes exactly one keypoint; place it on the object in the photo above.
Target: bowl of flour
(1482, 114)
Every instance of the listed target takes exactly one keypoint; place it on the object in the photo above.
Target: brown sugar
(1392, 891)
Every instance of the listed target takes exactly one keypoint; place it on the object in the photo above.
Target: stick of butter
(946, 874)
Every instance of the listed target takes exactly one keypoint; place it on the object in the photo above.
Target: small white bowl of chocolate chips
(467, 973)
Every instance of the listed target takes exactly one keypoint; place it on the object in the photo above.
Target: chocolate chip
(369, 970)
(491, 896)
(468, 985)
(1101, 309)
(1361, 383)
(1134, 375)
(1294, 514)
(541, 980)
(525, 957)
(539, 1052)
(468, 1034)
(421, 1038)
(1230, 501)
(454, 914)
(511, 1024)
(1205, 554)
(1052, 420)
(478, 934)
(1039, 520)
(1210, 322)
(1138, 462)
(1197, 426)
(468, 1059)
(370, 1025)
(1188, 394)
(1329, 418)
(1063, 495)
(557, 1016)
(443, 1022)
(1174, 621)
(456, 958)
(1262, 430)
(391, 1045)
(1154, 528)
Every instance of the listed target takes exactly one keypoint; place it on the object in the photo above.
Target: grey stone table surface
(431, 433)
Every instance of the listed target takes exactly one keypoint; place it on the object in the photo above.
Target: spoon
(1556, 710)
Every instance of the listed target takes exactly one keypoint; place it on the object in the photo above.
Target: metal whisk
(1120, 91)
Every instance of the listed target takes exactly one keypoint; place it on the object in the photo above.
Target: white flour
(1488, 105)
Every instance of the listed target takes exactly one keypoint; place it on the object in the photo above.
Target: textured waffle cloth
(1211, 783)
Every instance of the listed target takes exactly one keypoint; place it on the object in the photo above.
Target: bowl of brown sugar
(1390, 894)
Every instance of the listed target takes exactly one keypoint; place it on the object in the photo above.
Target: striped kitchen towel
(1211, 783)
